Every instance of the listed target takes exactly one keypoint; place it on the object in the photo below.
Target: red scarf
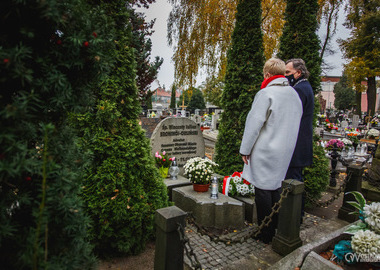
(268, 80)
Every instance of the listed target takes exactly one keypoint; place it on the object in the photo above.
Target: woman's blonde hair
(274, 66)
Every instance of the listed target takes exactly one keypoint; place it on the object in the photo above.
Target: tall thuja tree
(52, 52)
(300, 39)
(146, 70)
(344, 94)
(197, 100)
(173, 97)
(122, 187)
(244, 75)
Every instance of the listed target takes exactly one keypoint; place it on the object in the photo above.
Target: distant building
(327, 95)
(327, 88)
(162, 97)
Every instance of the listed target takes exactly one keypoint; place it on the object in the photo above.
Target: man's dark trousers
(265, 199)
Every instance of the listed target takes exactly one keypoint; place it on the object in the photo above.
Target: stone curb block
(297, 257)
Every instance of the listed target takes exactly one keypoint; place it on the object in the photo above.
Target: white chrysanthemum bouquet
(373, 133)
(199, 170)
(235, 185)
(347, 142)
(366, 242)
(366, 238)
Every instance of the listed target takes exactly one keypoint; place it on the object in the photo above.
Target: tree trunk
(371, 96)
(358, 99)
(374, 170)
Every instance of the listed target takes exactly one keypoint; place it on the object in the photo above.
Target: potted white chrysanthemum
(199, 171)
(347, 143)
(373, 133)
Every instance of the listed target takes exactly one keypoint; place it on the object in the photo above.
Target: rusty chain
(252, 231)
(334, 197)
(189, 251)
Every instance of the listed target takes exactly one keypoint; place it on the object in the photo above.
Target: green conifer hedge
(51, 53)
(122, 187)
(300, 39)
(245, 61)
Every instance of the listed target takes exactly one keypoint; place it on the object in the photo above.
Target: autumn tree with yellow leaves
(200, 32)
(362, 48)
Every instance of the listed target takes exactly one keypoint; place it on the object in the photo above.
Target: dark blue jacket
(303, 153)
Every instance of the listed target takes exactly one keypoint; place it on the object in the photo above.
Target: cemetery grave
(218, 256)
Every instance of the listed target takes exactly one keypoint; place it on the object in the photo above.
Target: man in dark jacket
(297, 74)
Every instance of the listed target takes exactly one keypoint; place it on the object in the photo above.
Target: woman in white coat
(269, 140)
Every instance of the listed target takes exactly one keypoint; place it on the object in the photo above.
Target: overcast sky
(161, 9)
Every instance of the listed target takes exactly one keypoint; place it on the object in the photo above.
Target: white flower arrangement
(235, 185)
(366, 242)
(365, 239)
(346, 142)
(372, 216)
(199, 170)
(372, 133)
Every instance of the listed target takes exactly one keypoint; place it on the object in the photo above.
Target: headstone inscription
(355, 121)
(180, 138)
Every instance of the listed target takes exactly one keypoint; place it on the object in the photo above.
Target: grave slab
(222, 213)
(171, 184)
(315, 262)
(250, 212)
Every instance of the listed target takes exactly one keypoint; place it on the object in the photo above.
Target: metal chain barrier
(252, 231)
(189, 251)
(334, 197)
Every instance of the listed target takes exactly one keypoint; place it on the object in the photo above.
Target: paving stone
(222, 256)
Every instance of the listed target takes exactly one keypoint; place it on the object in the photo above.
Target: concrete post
(287, 237)
(354, 184)
(169, 249)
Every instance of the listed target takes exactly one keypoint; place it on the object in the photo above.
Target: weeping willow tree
(200, 32)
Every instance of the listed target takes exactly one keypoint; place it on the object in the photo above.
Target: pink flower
(330, 144)
(173, 158)
(164, 153)
(156, 155)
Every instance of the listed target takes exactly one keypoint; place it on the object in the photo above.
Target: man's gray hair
(299, 64)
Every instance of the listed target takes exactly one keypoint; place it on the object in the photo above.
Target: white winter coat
(270, 134)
